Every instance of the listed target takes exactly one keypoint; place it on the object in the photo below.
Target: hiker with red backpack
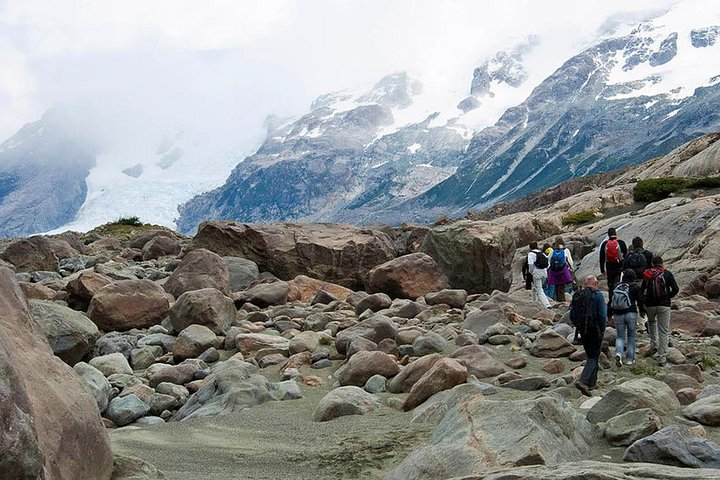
(626, 299)
(560, 269)
(658, 287)
(612, 253)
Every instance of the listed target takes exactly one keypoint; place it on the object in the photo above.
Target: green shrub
(654, 189)
(705, 182)
(578, 218)
(131, 221)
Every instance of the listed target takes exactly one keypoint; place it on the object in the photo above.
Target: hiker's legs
(537, 291)
(652, 313)
(621, 327)
(560, 293)
(663, 327)
(592, 342)
(613, 275)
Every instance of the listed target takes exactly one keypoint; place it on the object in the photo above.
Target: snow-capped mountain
(634, 94)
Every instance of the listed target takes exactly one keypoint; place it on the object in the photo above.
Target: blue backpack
(557, 261)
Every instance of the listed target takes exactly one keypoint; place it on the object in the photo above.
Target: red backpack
(613, 254)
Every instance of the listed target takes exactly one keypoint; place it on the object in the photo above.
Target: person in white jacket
(538, 264)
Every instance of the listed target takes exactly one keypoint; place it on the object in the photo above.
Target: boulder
(111, 364)
(242, 272)
(364, 365)
(550, 344)
(42, 400)
(411, 373)
(705, 410)
(265, 294)
(410, 276)
(160, 246)
(250, 343)
(633, 395)
(675, 446)
(455, 298)
(140, 239)
(374, 303)
(31, 255)
(595, 470)
(96, 382)
(678, 381)
(81, 289)
(434, 408)
(477, 321)
(71, 334)
(199, 269)
(428, 343)
(335, 253)
(309, 289)
(443, 375)
(307, 341)
(528, 384)
(481, 435)
(342, 401)
(475, 256)
(125, 410)
(689, 321)
(192, 341)
(479, 361)
(37, 291)
(233, 386)
(207, 306)
(175, 374)
(375, 329)
(128, 304)
(631, 426)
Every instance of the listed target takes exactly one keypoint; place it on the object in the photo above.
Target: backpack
(557, 260)
(655, 284)
(613, 254)
(581, 311)
(636, 261)
(621, 297)
(541, 260)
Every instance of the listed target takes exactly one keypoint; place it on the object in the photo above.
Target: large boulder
(480, 435)
(193, 341)
(631, 426)
(51, 424)
(96, 382)
(83, 287)
(550, 344)
(31, 255)
(71, 334)
(632, 395)
(207, 306)
(126, 409)
(128, 304)
(677, 446)
(349, 400)
(475, 256)
(234, 386)
(705, 410)
(242, 272)
(375, 329)
(443, 375)
(364, 365)
(160, 246)
(308, 288)
(479, 361)
(410, 276)
(199, 269)
(410, 374)
(265, 294)
(335, 253)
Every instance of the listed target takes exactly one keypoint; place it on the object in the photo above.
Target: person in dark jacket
(658, 287)
(626, 318)
(589, 304)
(612, 254)
(638, 258)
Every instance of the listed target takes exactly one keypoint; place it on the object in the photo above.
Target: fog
(220, 67)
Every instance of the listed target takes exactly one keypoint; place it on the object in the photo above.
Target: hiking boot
(618, 361)
(630, 362)
(584, 389)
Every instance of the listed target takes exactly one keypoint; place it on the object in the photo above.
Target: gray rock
(428, 344)
(114, 342)
(528, 384)
(167, 342)
(208, 306)
(550, 344)
(97, 383)
(675, 446)
(374, 303)
(71, 334)
(710, 390)
(376, 384)
(455, 298)
(631, 426)
(286, 390)
(193, 341)
(112, 363)
(141, 358)
(599, 471)
(705, 410)
(375, 329)
(349, 400)
(125, 410)
(633, 395)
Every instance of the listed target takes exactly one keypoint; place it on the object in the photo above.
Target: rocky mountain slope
(318, 350)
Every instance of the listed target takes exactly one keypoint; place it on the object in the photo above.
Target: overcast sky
(226, 63)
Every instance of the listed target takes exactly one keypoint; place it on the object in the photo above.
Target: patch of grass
(654, 189)
(704, 182)
(644, 369)
(707, 361)
(132, 221)
(578, 218)
(124, 228)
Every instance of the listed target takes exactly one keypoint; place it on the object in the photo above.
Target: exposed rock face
(410, 276)
(71, 334)
(483, 435)
(335, 253)
(31, 255)
(199, 269)
(53, 427)
(128, 304)
(475, 256)
(675, 446)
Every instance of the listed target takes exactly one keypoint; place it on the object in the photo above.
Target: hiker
(547, 288)
(560, 270)
(638, 259)
(626, 299)
(658, 287)
(612, 253)
(588, 313)
(538, 263)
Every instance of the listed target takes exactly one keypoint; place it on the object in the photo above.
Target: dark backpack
(557, 260)
(636, 261)
(621, 297)
(655, 284)
(613, 254)
(582, 314)
(541, 260)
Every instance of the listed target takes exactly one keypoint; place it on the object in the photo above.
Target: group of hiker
(639, 288)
